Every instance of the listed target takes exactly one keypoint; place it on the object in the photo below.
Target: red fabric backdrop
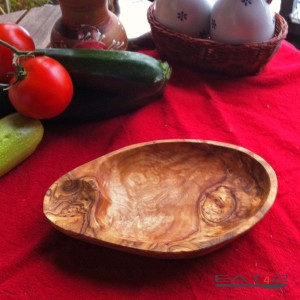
(261, 113)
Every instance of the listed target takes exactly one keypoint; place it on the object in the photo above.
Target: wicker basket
(206, 54)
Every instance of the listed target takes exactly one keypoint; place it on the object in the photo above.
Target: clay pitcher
(88, 21)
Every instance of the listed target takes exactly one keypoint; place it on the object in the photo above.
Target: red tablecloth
(261, 113)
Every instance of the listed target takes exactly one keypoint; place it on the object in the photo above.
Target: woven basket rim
(280, 35)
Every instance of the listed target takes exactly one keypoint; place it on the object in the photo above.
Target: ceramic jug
(87, 20)
(242, 21)
(191, 17)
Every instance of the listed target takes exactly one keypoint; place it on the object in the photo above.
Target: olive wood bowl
(165, 199)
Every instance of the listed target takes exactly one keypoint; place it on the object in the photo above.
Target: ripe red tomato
(18, 37)
(45, 91)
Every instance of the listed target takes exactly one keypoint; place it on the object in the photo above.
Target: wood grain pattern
(39, 21)
(13, 17)
(171, 199)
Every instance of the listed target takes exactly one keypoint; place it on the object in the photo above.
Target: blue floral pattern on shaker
(182, 16)
(203, 34)
(246, 2)
(213, 24)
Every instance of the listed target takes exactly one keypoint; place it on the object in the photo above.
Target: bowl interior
(166, 198)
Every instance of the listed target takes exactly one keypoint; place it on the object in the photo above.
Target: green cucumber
(19, 137)
(113, 71)
(6, 107)
(87, 105)
(107, 83)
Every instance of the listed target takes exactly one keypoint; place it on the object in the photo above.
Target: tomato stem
(12, 48)
(19, 52)
(18, 59)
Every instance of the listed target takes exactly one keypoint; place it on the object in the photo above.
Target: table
(31, 20)
(260, 113)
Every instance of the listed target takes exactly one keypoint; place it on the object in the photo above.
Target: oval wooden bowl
(166, 199)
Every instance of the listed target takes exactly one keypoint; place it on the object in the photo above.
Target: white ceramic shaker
(191, 17)
(242, 21)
